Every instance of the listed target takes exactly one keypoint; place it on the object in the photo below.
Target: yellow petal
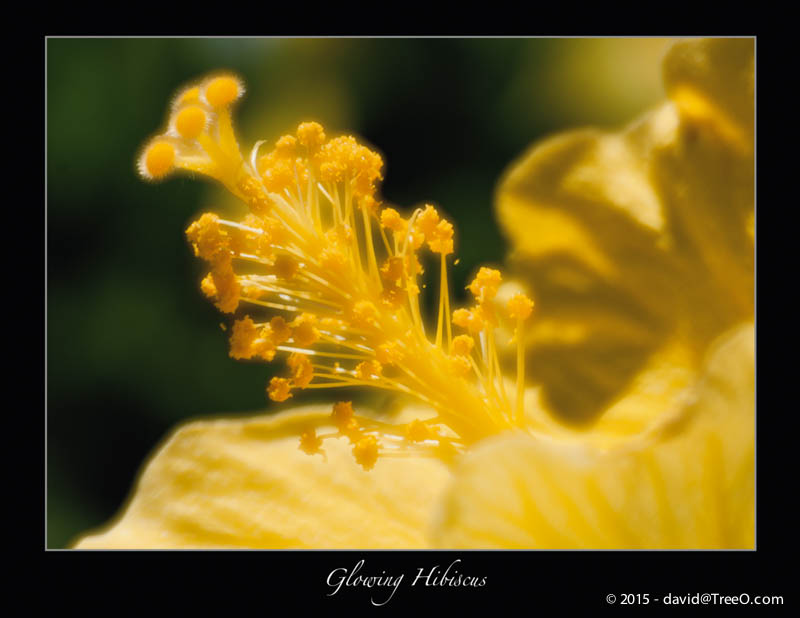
(713, 82)
(637, 246)
(692, 487)
(244, 483)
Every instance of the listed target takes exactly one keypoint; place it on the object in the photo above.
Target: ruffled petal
(244, 483)
(638, 245)
(692, 486)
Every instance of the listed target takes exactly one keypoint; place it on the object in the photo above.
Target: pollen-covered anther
(470, 320)
(208, 288)
(462, 345)
(442, 239)
(286, 267)
(309, 442)
(280, 331)
(245, 332)
(286, 146)
(208, 239)
(389, 353)
(392, 297)
(369, 203)
(311, 135)
(248, 341)
(484, 286)
(333, 258)
(304, 330)
(364, 313)
(158, 160)
(252, 291)
(369, 370)
(223, 90)
(392, 269)
(342, 412)
(335, 158)
(520, 307)
(190, 121)
(417, 431)
(427, 221)
(366, 452)
(257, 200)
(279, 389)
(459, 365)
(227, 286)
(392, 220)
(302, 371)
(263, 347)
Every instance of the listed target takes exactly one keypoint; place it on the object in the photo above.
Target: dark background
(132, 346)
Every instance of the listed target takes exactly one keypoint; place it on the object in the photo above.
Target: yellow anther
(277, 172)
(228, 289)
(392, 220)
(311, 135)
(279, 389)
(462, 317)
(342, 414)
(389, 353)
(286, 146)
(471, 320)
(392, 269)
(250, 187)
(485, 315)
(459, 365)
(309, 442)
(520, 307)
(252, 291)
(417, 431)
(286, 267)
(280, 331)
(484, 286)
(224, 90)
(331, 323)
(263, 347)
(208, 239)
(369, 203)
(339, 235)
(302, 372)
(277, 232)
(304, 331)
(332, 258)
(366, 452)
(369, 370)
(207, 286)
(442, 238)
(335, 159)
(392, 297)
(364, 313)
(427, 221)
(463, 344)
(158, 160)
(244, 334)
(190, 122)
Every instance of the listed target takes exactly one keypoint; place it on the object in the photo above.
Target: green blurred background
(132, 346)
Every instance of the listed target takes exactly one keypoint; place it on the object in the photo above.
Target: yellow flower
(643, 228)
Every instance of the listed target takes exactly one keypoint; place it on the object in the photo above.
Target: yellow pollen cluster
(366, 452)
(331, 277)
(484, 286)
(249, 340)
(520, 307)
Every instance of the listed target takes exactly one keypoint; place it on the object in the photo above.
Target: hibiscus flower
(636, 426)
